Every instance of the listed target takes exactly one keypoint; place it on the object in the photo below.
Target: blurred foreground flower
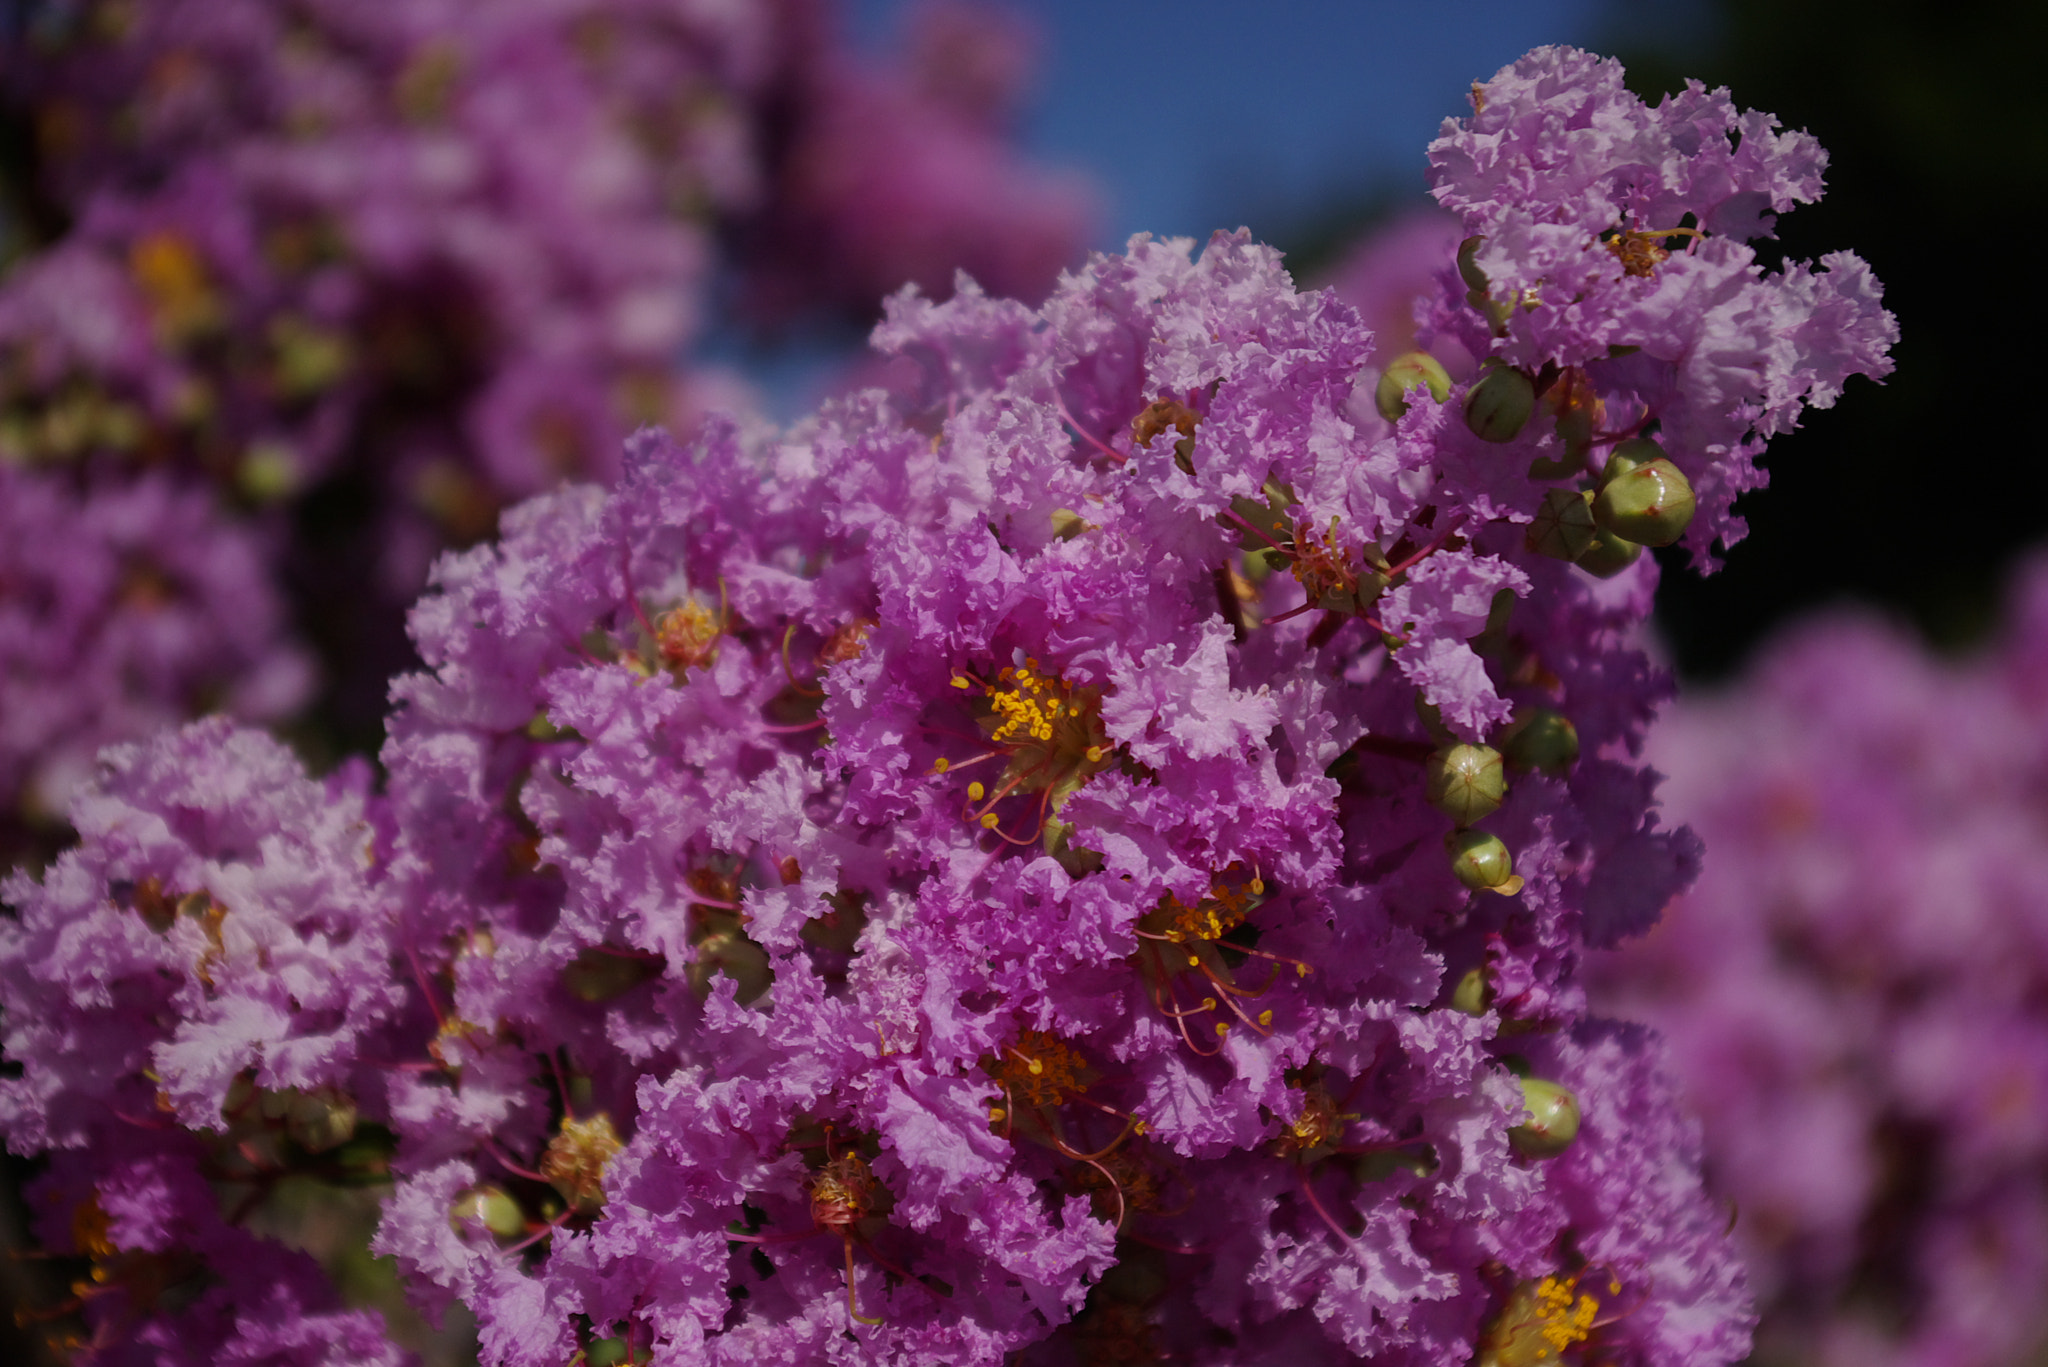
(1087, 854)
(1857, 990)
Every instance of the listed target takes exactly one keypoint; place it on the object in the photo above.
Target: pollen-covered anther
(846, 642)
(1210, 918)
(1538, 1323)
(842, 1193)
(1323, 568)
(687, 636)
(1037, 1069)
(1642, 250)
(1196, 933)
(1319, 1126)
(576, 1158)
(1049, 733)
(1161, 415)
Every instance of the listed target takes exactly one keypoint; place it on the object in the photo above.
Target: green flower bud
(1542, 740)
(1472, 995)
(1553, 1120)
(1498, 407)
(1650, 504)
(1563, 527)
(1403, 373)
(605, 1353)
(1466, 782)
(1627, 455)
(1609, 555)
(1468, 270)
(491, 1207)
(1482, 862)
(319, 1120)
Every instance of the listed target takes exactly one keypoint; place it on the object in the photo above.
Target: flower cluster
(1086, 855)
(191, 998)
(1854, 989)
(124, 611)
(367, 274)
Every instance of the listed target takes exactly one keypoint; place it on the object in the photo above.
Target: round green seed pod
(1466, 782)
(1498, 407)
(491, 1206)
(1480, 860)
(1650, 505)
(1403, 373)
(319, 1120)
(1627, 455)
(1471, 995)
(1553, 1121)
(1542, 740)
(1608, 556)
(1563, 527)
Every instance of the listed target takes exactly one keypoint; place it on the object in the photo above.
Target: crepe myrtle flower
(1000, 867)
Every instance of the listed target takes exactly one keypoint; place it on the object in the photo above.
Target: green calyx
(1563, 527)
(1553, 1121)
(1497, 408)
(1609, 555)
(1403, 374)
(1465, 782)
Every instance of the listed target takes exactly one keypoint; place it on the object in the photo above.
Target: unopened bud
(1609, 555)
(1499, 405)
(1472, 996)
(1481, 861)
(319, 1120)
(1563, 527)
(1650, 504)
(1466, 782)
(1403, 373)
(492, 1208)
(1627, 455)
(1542, 740)
(1553, 1120)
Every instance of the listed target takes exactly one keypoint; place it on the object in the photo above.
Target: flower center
(1642, 250)
(1049, 731)
(687, 636)
(1037, 1069)
(1539, 1322)
(842, 1192)
(576, 1157)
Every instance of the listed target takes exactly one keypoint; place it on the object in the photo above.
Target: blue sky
(1199, 114)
